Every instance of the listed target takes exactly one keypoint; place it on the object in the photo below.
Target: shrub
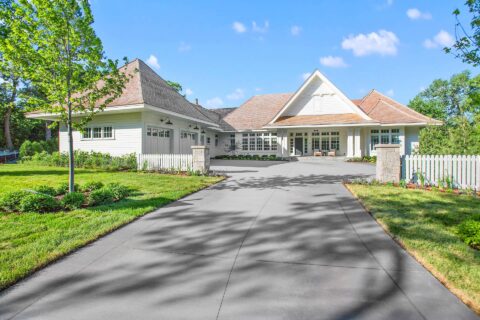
(91, 186)
(44, 189)
(469, 231)
(26, 149)
(37, 202)
(83, 159)
(63, 188)
(11, 200)
(119, 191)
(101, 196)
(73, 200)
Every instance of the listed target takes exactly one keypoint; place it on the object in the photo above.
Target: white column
(357, 149)
(350, 142)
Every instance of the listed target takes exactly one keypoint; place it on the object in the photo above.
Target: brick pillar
(388, 162)
(201, 158)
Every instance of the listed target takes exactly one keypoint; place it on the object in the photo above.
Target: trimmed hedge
(83, 159)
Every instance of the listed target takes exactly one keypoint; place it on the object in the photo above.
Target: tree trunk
(48, 131)
(71, 166)
(6, 129)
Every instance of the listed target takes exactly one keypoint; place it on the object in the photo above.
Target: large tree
(454, 102)
(56, 46)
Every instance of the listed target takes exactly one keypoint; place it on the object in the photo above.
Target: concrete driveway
(275, 241)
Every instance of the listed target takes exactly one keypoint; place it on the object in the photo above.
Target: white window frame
(102, 127)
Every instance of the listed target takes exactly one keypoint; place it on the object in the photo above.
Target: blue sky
(223, 52)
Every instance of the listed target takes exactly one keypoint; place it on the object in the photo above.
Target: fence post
(388, 162)
(201, 158)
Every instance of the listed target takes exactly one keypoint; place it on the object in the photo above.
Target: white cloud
(152, 61)
(390, 93)
(260, 29)
(333, 62)
(416, 14)
(306, 75)
(384, 43)
(214, 103)
(188, 92)
(239, 27)
(295, 30)
(441, 39)
(236, 95)
(258, 89)
(184, 47)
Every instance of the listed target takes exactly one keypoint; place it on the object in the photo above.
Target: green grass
(426, 223)
(29, 241)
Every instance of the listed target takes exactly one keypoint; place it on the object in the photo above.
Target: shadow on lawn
(50, 172)
(291, 262)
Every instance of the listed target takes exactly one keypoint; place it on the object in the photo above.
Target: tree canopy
(455, 102)
(54, 45)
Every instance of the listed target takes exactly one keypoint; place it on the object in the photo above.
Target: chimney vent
(196, 101)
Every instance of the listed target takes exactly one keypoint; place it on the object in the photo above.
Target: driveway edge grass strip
(458, 292)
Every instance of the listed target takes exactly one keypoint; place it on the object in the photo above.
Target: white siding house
(318, 119)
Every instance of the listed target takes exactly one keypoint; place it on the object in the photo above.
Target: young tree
(56, 46)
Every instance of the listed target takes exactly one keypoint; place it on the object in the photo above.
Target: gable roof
(388, 111)
(320, 120)
(257, 111)
(318, 75)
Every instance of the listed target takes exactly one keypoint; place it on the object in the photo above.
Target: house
(151, 117)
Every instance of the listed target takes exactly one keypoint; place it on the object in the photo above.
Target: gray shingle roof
(157, 93)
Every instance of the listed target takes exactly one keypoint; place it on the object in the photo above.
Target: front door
(298, 146)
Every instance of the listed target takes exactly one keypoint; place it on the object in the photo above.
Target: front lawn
(29, 241)
(426, 223)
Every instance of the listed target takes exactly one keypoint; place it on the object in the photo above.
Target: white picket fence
(151, 162)
(462, 171)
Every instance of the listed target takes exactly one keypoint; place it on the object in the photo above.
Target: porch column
(350, 143)
(357, 149)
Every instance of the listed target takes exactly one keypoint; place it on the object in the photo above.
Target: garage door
(187, 140)
(159, 140)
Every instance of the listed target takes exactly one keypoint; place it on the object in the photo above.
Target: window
(208, 140)
(232, 142)
(244, 141)
(395, 136)
(384, 136)
(97, 133)
(216, 140)
(266, 142)
(259, 142)
(292, 150)
(273, 143)
(155, 132)
(87, 134)
(252, 141)
(149, 131)
(107, 132)
(335, 143)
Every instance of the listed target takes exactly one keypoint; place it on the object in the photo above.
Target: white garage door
(187, 140)
(159, 140)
